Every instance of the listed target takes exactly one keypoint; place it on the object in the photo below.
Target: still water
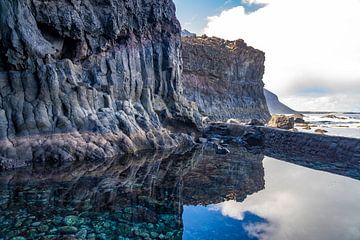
(196, 195)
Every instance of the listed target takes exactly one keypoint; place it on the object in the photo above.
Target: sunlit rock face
(224, 78)
(88, 79)
(131, 197)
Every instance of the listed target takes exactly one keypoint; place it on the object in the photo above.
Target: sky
(312, 47)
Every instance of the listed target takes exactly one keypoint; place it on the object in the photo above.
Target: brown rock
(281, 121)
(320, 131)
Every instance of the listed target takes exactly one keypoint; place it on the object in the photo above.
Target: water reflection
(133, 198)
(191, 195)
(300, 203)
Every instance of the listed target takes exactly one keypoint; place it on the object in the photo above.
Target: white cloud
(256, 1)
(307, 43)
(297, 209)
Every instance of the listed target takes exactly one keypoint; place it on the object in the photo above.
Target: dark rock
(256, 122)
(253, 137)
(298, 118)
(222, 150)
(224, 78)
(68, 230)
(87, 79)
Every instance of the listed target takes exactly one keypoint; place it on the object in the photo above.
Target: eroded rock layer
(88, 79)
(224, 78)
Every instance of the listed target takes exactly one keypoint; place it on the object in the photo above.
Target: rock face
(275, 106)
(89, 79)
(224, 78)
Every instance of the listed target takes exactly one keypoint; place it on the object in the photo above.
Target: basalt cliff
(86, 79)
(224, 78)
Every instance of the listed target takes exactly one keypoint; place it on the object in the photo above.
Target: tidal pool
(193, 195)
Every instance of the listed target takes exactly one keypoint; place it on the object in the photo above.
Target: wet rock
(71, 220)
(18, 238)
(68, 230)
(43, 228)
(282, 122)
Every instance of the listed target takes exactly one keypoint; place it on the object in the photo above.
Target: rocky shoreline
(98, 80)
(298, 145)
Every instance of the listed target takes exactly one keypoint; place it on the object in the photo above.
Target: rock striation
(89, 79)
(224, 78)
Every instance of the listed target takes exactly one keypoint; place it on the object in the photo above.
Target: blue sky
(193, 14)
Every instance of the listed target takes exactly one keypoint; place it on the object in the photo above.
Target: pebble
(71, 220)
(68, 229)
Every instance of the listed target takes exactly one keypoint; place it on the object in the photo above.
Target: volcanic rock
(89, 79)
(224, 78)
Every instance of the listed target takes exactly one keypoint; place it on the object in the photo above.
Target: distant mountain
(186, 33)
(275, 106)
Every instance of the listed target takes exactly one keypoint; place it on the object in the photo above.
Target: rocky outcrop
(275, 106)
(89, 79)
(224, 78)
(334, 154)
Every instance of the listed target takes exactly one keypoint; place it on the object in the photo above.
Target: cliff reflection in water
(136, 198)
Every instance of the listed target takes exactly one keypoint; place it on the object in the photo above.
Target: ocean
(336, 124)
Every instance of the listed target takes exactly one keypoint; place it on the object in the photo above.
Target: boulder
(282, 122)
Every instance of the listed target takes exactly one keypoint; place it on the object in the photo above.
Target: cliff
(224, 78)
(86, 79)
(274, 104)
